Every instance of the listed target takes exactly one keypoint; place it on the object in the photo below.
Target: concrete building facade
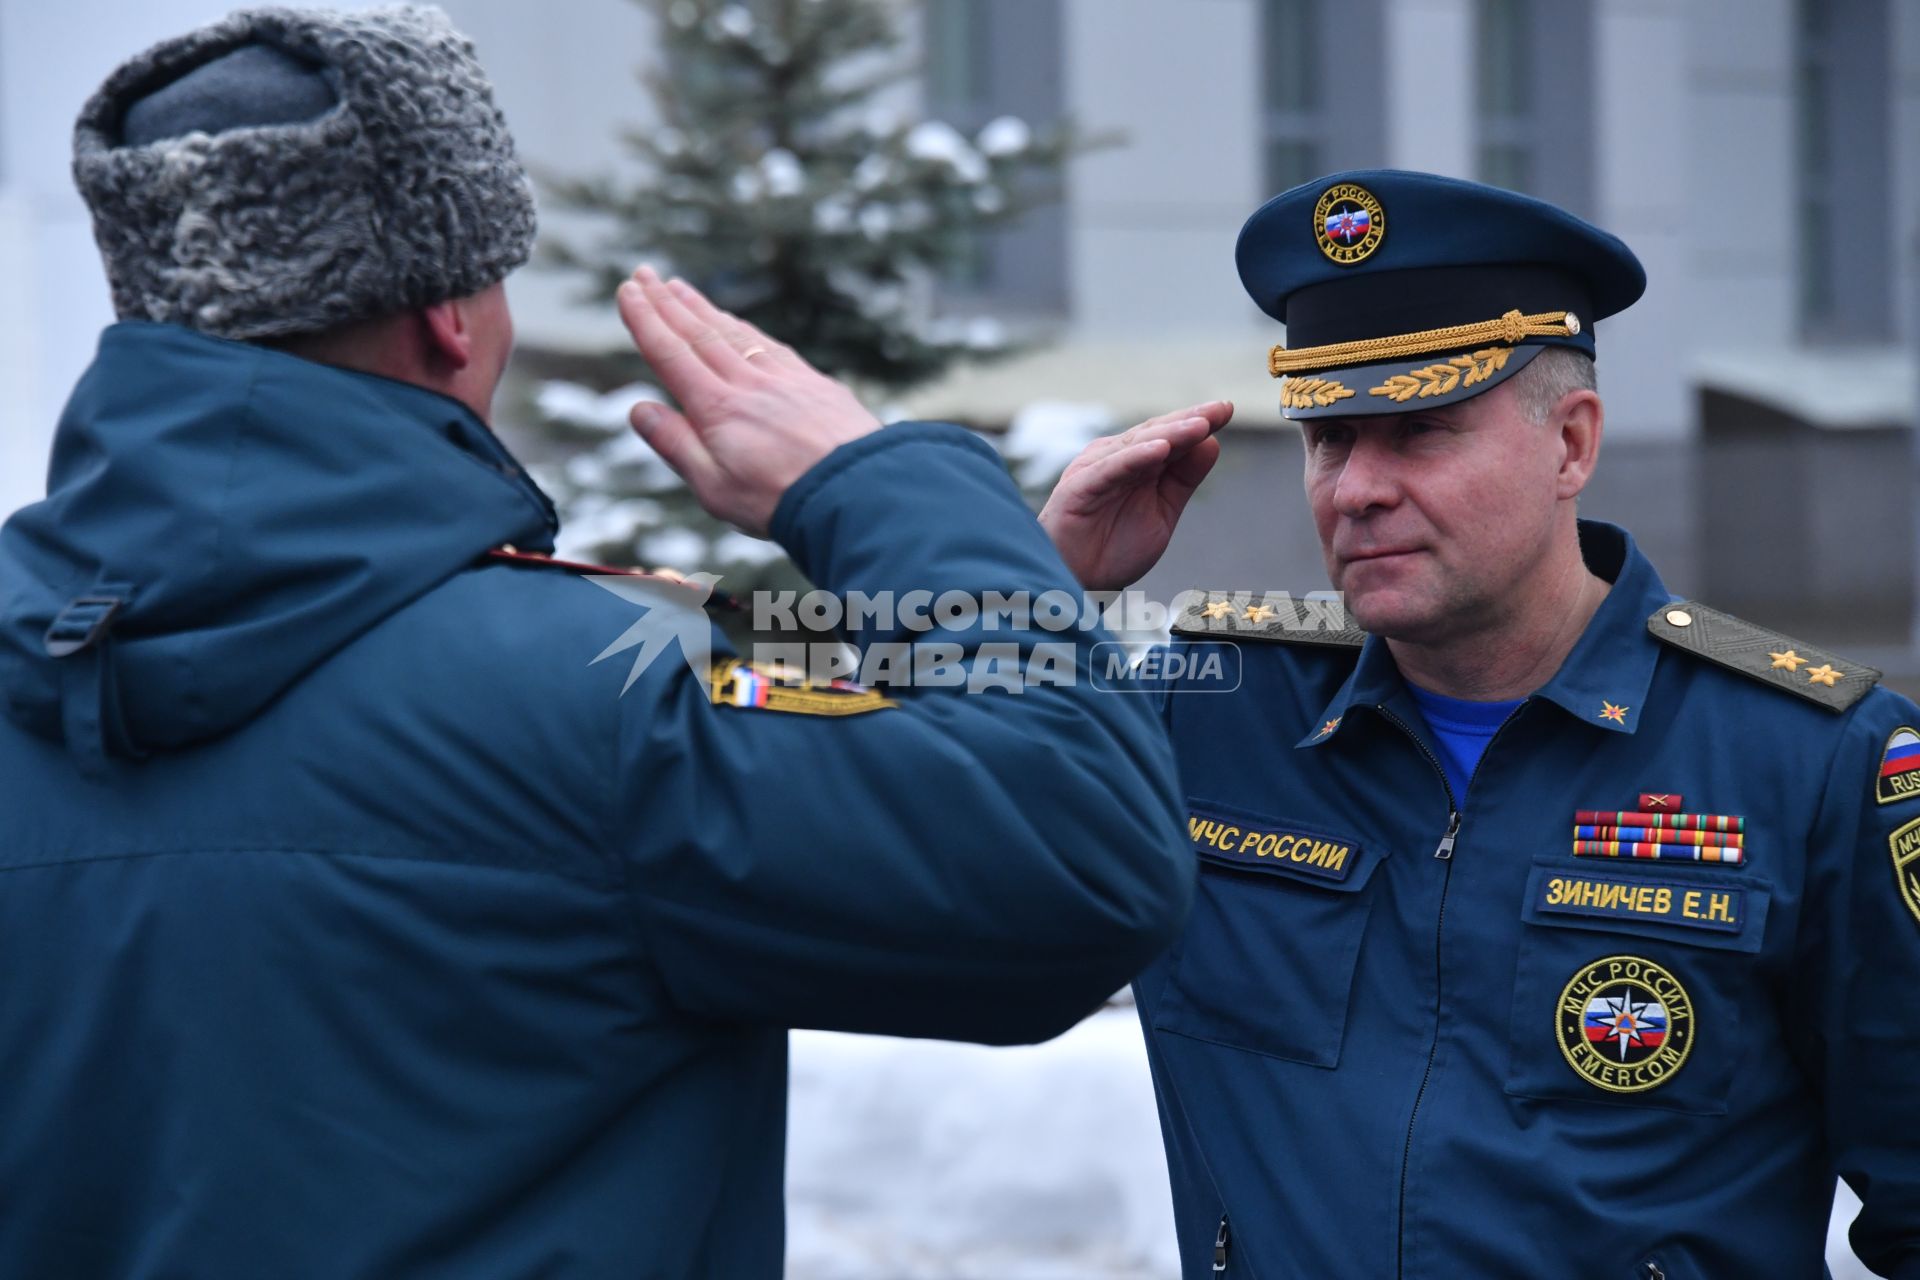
(1759, 397)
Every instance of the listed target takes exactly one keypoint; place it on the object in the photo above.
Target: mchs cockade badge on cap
(1349, 223)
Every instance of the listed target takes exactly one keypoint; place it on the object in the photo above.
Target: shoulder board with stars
(1268, 615)
(1793, 666)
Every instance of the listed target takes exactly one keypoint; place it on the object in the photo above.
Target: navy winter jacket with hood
(355, 923)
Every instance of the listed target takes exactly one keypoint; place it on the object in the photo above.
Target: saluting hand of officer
(1116, 505)
(755, 415)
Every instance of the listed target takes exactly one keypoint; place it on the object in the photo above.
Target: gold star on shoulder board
(1329, 727)
(1260, 612)
(1616, 714)
(1826, 675)
(1218, 609)
(1790, 660)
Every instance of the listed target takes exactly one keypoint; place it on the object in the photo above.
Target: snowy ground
(925, 1159)
(919, 1160)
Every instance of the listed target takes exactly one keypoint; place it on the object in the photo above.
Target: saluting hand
(756, 416)
(1114, 510)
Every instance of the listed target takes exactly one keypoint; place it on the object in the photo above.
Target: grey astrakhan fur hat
(284, 171)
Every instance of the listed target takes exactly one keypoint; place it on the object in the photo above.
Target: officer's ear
(449, 334)
(1580, 420)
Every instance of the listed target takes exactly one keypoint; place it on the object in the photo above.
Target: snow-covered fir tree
(784, 179)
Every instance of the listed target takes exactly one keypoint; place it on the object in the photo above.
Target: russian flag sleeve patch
(1899, 777)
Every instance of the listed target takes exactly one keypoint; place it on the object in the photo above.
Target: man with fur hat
(356, 920)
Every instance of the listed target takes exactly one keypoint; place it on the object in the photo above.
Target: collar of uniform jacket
(1610, 668)
(252, 512)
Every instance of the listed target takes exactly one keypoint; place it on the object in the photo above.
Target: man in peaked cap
(356, 920)
(1547, 925)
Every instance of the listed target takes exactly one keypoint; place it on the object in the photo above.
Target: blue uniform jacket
(1378, 1062)
(354, 923)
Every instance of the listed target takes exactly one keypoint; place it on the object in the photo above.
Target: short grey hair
(1548, 378)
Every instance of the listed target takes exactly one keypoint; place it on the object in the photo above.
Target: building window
(956, 55)
(1534, 133)
(1504, 93)
(990, 58)
(1290, 43)
(1320, 110)
(1813, 94)
(1842, 93)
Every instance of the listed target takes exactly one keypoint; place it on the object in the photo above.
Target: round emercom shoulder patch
(1349, 223)
(1625, 1024)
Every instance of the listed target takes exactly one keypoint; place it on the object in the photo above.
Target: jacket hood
(220, 518)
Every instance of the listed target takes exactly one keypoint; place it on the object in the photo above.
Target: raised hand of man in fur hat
(757, 416)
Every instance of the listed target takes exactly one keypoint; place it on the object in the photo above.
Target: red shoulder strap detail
(513, 555)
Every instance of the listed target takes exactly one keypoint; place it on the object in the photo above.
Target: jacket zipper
(1220, 1241)
(1444, 853)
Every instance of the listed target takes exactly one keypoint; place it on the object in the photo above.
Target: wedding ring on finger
(751, 352)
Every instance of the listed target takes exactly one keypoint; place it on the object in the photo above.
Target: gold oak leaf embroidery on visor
(1443, 379)
(1312, 393)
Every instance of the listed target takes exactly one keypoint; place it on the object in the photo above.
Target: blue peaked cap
(1403, 290)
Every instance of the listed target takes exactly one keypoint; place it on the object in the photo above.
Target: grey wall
(1152, 226)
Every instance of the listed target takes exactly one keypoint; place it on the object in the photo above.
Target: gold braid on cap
(1510, 328)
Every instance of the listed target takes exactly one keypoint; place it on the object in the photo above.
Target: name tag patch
(1265, 847)
(1677, 902)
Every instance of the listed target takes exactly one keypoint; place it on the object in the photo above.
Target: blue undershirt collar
(1461, 731)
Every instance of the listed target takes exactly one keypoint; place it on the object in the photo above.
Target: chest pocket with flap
(1267, 959)
(1620, 971)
